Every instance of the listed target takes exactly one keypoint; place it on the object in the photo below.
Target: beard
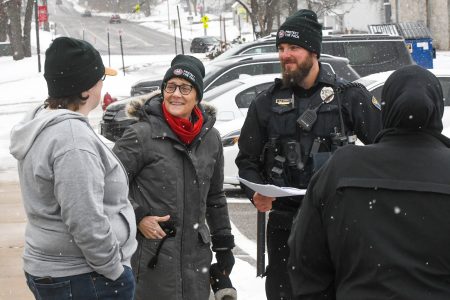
(299, 74)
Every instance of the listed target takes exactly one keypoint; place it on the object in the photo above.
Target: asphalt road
(136, 39)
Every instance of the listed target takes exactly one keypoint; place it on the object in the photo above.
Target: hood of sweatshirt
(26, 131)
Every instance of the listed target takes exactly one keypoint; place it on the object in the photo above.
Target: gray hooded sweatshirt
(75, 194)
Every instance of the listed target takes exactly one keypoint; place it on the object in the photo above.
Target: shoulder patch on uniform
(376, 103)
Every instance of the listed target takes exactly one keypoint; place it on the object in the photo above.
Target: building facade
(434, 13)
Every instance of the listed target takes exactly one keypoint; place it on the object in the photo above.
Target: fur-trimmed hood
(140, 105)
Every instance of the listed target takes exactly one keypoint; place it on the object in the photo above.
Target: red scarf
(183, 128)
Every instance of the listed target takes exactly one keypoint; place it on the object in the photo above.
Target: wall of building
(353, 16)
(362, 13)
(418, 10)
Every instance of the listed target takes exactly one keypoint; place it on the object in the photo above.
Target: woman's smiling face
(176, 103)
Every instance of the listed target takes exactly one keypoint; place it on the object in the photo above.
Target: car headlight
(231, 138)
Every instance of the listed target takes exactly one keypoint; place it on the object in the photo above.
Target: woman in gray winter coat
(81, 229)
(174, 160)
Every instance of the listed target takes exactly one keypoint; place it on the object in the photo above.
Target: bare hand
(263, 203)
(149, 226)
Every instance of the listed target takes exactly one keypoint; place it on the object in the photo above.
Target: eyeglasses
(185, 89)
(104, 77)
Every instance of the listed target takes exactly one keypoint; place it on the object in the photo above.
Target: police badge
(327, 94)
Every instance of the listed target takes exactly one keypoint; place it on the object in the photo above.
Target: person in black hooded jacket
(375, 221)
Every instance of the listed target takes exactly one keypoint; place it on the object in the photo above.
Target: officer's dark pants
(279, 225)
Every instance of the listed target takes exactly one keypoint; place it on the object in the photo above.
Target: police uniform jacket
(273, 116)
(185, 182)
(375, 221)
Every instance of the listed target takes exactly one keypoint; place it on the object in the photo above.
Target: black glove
(225, 261)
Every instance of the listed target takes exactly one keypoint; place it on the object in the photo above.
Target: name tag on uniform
(286, 101)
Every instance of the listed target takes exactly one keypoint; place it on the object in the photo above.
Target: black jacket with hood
(185, 182)
(375, 222)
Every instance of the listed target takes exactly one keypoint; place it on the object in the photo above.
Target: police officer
(291, 130)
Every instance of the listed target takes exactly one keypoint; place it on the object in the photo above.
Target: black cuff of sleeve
(140, 214)
(222, 242)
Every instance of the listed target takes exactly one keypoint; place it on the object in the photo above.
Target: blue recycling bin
(421, 50)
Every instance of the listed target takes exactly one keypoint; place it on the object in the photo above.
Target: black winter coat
(185, 182)
(375, 221)
(360, 116)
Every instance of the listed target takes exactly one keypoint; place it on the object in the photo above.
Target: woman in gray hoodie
(81, 227)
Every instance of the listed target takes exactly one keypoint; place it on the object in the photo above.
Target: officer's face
(296, 62)
(177, 103)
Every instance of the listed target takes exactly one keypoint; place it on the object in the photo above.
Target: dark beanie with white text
(301, 29)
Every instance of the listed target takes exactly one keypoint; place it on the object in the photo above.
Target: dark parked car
(115, 19)
(367, 53)
(5, 49)
(203, 44)
(86, 13)
(219, 72)
(115, 120)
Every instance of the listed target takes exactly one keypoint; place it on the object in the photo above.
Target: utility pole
(397, 7)
(168, 15)
(387, 12)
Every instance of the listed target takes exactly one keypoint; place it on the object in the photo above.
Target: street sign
(204, 19)
(42, 13)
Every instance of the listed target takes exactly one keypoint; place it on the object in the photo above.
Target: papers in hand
(270, 190)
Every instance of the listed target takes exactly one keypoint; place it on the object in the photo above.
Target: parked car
(260, 46)
(229, 133)
(233, 98)
(220, 72)
(203, 44)
(115, 19)
(367, 53)
(86, 13)
(5, 49)
(58, 2)
(375, 82)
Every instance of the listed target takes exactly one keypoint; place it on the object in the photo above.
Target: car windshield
(210, 70)
(210, 40)
(220, 90)
(230, 52)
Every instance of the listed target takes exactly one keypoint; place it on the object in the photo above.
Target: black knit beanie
(187, 67)
(72, 66)
(302, 29)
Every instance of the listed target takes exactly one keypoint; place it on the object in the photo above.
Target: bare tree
(291, 6)
(262, 14)
(20, 42)
(194, 6)
(15, 28)
(3, 22)
(323, 7)
(27, 28)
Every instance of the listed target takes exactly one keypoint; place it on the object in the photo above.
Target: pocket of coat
(204, 234)
(127, 216)
(283, 120)
(327, 120)
(58, 290)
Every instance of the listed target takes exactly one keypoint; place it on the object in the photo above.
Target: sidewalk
(12, 228)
